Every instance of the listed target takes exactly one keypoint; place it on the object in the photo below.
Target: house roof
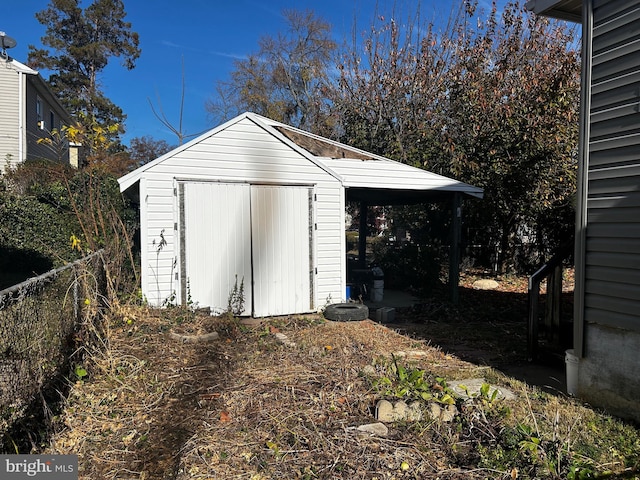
(21, 67)
(562, 9)
(364, 175)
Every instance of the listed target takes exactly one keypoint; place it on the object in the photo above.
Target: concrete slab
(393, 299)
(470, 387)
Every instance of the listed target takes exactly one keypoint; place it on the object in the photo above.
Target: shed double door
(254, 237)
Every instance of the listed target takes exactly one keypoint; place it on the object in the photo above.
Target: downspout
(582, 179)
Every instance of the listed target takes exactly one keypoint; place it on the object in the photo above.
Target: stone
(207, 337)
(449, 412)
(398, 411)
(485, 284)
(442, 413)
(282, 338)
(384, 411)
(379, 429)
(369, 370)
(469, 388)
(414, 412)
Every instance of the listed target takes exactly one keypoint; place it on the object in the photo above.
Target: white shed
(260, 203)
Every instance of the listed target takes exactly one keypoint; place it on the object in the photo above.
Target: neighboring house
(607, 291)
(28, 112)
(260, 204)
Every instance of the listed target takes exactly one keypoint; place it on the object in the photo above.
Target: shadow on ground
(487, 327)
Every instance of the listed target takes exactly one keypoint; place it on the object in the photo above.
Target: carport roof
(368, 177)
(386, 182)
(364, 175)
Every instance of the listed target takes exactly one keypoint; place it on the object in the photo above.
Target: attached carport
(379, 181)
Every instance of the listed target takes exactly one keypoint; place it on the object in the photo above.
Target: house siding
(20, 88)
(35, 150)
(9, 118)
(612, 254)
(241, 152)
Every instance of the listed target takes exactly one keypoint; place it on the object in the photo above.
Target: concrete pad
(473, 386)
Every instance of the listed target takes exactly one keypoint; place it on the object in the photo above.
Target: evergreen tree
(81, 42)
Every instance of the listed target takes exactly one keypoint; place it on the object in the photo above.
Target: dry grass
(247, 406)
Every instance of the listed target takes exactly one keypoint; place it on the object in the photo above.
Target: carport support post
(362, 236)
(454, 254)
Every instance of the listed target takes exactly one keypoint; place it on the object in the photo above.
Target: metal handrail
(544, 271)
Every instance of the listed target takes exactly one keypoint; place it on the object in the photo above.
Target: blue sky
(208, 34)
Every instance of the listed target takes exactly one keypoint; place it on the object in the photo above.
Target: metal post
(454, 255)
(532, 327)
(362, 236)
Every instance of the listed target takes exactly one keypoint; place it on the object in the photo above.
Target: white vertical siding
(280, 228)
(330, 252)
(217, 242)
(158, 240)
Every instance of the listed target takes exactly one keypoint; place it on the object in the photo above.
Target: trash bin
(377, 290)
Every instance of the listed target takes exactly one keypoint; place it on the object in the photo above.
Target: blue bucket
(348, 297)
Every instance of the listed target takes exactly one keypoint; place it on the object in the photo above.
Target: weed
(412, 383)
(236, 298)
(80, 372)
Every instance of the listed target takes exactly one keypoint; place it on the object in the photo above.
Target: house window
(39, 112)
(52, 118)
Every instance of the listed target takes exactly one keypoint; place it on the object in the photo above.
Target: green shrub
(55, 214)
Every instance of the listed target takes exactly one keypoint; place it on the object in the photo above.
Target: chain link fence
(42, 323)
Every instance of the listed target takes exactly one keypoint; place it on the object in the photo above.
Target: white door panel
(217, 242)
(259, 235)
(281, 250)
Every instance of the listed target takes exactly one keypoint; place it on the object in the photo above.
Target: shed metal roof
(393, 182)
(365, 176)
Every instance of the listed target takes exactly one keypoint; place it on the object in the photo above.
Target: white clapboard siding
(10, 110)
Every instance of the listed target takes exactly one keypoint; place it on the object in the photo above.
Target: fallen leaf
(225, 417)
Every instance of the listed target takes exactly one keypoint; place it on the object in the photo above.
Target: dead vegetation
(283, 399)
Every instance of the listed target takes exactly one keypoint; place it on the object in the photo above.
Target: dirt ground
(489, 327)
(283, 397)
